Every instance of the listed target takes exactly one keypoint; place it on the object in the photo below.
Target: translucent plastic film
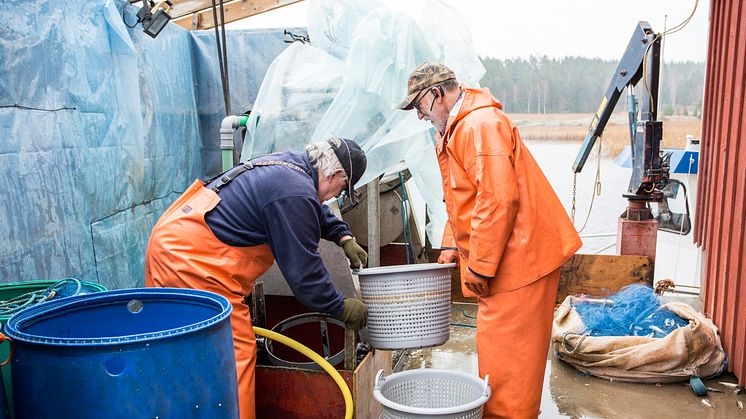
(350, 85)
(299, 85)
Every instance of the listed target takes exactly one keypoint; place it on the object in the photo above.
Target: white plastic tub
(432, 394)
(409, 306)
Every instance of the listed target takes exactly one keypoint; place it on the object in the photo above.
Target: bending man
(506, 228)
(220, 237)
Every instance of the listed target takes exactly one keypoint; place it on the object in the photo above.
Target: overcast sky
(556, 28)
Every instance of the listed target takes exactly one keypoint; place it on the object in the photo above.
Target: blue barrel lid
(205, 309)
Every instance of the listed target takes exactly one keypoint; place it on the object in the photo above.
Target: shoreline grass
(574, 127)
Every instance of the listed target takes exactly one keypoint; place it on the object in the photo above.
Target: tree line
(577, 85)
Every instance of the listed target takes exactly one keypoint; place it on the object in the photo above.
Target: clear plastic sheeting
(446, 31)
(288, 108)
(331, 22)
(379, 46)
(385, 49)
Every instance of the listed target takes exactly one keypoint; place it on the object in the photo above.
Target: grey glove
(354, 314)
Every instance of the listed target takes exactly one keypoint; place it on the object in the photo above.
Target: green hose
(305, 350)
(227, 159)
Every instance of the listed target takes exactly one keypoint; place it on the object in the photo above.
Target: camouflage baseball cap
(427, 74)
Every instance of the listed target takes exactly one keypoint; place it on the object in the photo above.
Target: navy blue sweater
(279, 205)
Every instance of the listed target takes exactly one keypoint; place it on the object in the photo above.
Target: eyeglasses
(416, 102)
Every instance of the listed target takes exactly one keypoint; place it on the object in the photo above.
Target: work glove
(448, 256)
(354, 314)
(357, 256)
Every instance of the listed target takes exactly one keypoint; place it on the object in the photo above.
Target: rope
(29, 299)
(565, 344)
(660, 36)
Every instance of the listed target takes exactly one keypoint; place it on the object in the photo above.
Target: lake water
(677, 257)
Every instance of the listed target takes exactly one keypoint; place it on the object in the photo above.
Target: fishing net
(633, 311)
(631, 336)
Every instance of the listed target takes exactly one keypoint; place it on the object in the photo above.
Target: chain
(596, 189)
(596, 186)
(574, 193)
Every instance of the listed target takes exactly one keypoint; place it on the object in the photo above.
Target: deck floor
(569, 393)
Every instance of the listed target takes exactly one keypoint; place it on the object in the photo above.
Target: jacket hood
(474, 98)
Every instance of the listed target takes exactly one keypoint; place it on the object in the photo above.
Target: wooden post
(374, 228)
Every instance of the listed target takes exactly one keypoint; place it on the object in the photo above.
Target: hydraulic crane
(637, 229)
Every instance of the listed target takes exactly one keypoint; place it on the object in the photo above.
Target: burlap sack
(690, 350)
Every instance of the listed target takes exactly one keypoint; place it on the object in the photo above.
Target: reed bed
(574, 127)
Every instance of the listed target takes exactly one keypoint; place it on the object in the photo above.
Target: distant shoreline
(574, 127)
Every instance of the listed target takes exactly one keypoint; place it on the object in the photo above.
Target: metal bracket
(257, 306)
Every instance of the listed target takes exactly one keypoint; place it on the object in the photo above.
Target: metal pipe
(227, 146)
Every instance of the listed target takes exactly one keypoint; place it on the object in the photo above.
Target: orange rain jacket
(504, 216)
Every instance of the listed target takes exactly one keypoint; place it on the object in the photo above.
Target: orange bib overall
(184, 253)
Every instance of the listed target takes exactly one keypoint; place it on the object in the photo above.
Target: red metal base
(638, 231)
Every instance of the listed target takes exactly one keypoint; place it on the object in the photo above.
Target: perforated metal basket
(409, 306)
(431, 393)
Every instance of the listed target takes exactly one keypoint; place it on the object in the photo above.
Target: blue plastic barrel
(135, 353)
(4, 411)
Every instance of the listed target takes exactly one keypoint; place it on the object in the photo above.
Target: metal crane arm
(628, 72)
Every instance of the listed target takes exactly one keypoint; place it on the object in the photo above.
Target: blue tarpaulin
(101, 127)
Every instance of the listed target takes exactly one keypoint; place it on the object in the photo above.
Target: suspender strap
(221, 180)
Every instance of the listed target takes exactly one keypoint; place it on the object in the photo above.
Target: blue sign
(682, 161)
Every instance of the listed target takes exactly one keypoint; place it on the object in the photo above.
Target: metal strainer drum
(324, 320)
(409, 306)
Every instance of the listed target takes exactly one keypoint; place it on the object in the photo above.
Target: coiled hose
(305, 350)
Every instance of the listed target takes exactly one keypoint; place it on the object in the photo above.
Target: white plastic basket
(409, 306)
(431, 393)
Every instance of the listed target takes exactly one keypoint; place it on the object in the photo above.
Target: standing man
(506, 228)
(221, 236)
